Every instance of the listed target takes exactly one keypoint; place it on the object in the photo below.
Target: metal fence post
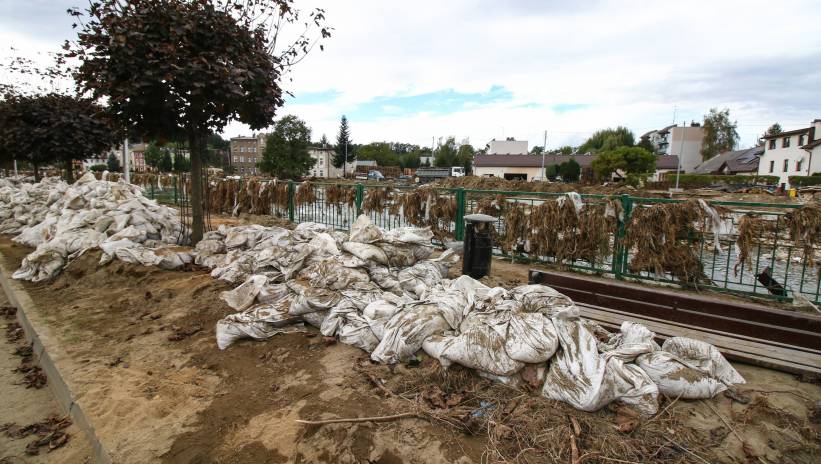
(620, 251)
(153, 195)
(176, 198)
(291, 200)
(459, 231)
(360, 195)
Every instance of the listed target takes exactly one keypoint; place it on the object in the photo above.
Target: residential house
(323, 165)
(665, 164)
(733, 163)
(792, 153)
(658, 138)
(529, 167)
(137, 157)
(507, 147)
(246, 152)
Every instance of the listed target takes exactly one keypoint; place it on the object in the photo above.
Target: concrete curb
(49, 354)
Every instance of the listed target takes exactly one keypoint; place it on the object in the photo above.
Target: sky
(481, 69)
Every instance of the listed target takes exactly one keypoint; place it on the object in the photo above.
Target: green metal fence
(775, 251)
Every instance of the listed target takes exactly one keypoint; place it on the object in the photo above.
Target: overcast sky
(482, 69)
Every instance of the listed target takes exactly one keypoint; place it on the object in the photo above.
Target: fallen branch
(360, 419)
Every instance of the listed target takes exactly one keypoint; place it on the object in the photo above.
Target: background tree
(464, 157)
(186, 68)
(564, 150)
(445, 155)
(629, 160)
(166, 163)
(323, 141)
(570, 171)
(286, 150)
(113, 163)
(720, 133)
(344, 150)
(53, 128)
(775, 129)
(181, 163)
(608, 139)
(645, 143)
(153, 155)
(411, 160)
(536, 150)
(551, 171)
(380, 152)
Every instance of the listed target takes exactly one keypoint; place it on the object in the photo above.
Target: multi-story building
(137, 157)
(246, 152)
(323, 163)
(792, 153)
(684, 142)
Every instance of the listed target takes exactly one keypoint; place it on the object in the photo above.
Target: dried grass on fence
(377, 199)
(805, 228)
(339, 195)
(665, 238)
(280, 194)
(750, 228)
(305, 194)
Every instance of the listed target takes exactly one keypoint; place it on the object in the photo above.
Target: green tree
(113, 163)
(646, 144)
(775, 129)
(608, 139)
(166, 163)
(344, 150)
(630, 160)
(445, 155)
(536, 150)
(380, 152)
(570, 171)
(464, 157)
(323, 142)
(551, 171)
(412, 160)
(181, 163)
(186, 68)
(153, 155)
(286, 150)
(720, 133)
(216, 142)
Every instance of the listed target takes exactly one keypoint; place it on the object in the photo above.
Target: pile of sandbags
(379, 291)
(63, 221)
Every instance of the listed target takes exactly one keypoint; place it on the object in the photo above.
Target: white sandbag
(259, 322)
(406, 331)
(366, 252)
(689, 368)
(364, 231)
(587, 381)
(631, 341)
(420, 277)
(244, 296)
(312, 299)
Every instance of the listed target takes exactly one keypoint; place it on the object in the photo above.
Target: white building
(792, 153)
(684, 142)
(507, 147)
(323, 163)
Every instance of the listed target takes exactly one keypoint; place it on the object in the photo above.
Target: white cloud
(629, 61)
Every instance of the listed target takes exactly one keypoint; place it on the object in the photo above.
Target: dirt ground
(145, 365)
(22, 405)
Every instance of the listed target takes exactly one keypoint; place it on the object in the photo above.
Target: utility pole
(544, 150)
(15, 166)
(345, 161)
(126, 169)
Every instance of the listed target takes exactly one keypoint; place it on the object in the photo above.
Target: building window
(801, 140)
(772, 166)
(786, 142)
(772, 144)
(786, 165)
(798, 165)
(321, 174)
(321, 161)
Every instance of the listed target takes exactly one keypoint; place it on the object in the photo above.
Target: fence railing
(595, 242)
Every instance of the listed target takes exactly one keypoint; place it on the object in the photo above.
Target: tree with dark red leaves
(185, 68)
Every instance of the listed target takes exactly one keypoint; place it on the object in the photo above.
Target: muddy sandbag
(259, 322)
(366, 252)
(689, 368)
(422, 276)
(244, 296)
(364, 231)
(631, 341)
(580, 377)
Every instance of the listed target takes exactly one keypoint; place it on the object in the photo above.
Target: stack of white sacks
(377, 290)
(62, 222)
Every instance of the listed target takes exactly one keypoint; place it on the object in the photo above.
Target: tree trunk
(70, 171)
(197, 226)
(36, 172)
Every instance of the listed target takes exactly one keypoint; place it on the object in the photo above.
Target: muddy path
(146, 368)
